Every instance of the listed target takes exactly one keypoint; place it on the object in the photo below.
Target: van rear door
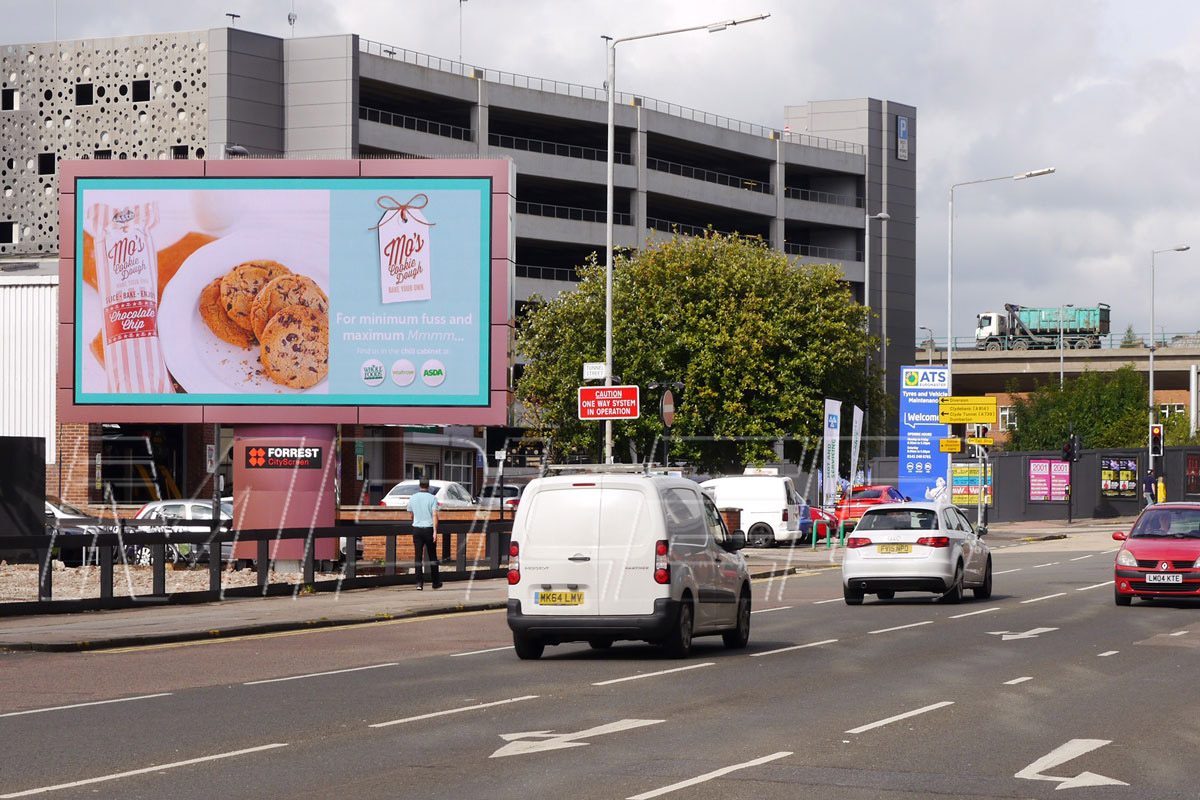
(558, 551)
(628, 535)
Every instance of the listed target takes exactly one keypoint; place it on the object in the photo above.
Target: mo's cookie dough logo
(283, 457)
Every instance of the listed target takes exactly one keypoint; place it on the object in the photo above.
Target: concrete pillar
(638, 205)
(778, 181)
(479, 118)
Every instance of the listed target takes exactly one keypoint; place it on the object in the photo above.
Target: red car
(1161, 554)
(863, 497)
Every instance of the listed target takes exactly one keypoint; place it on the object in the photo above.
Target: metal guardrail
(548, 273)
(115, 536)
(556, 149)
(815, 251)
(709, 176)
(571, 212)
(812, 196)
(415, 124)
(1110, 341)
(593, 93)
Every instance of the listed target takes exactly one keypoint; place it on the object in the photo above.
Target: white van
(771, 507)
(604, 556)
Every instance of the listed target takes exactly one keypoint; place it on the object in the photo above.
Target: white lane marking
(1081, 558)
(523, 743)
(902, 627)
(1006, 571)
(708, 776)
(453, 711)
(1032, 633)
(973, 613)
(793, 647)
(1061, 755)
(320, 674)
(1049, 564)
(1177, 633)
(144, 770)
(898, 717)
(480, 652)
(1044, 597)
(1107, 653)
(653, 674)
(1095, 586)
(1015, 681)
(81, 705)
(823, 602)
(765, 610)
(1105, 552)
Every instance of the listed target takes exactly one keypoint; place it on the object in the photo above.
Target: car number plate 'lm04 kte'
(1164, 577)
(559, 598)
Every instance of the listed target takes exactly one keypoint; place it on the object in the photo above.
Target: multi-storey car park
(807, 189)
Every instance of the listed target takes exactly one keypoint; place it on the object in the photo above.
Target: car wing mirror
(981, 530)
(1120, 536)
(737, 540)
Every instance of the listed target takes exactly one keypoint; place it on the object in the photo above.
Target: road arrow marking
(520, 744)
(1061, 755)
(1032, 633)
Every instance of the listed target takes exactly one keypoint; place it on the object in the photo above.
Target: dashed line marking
(1081, 558)
(481, 652)
(898, 717)
(1177, 633)
(823, 602)
(902, 627)
(708, 776)
(1048, 564)
(81, 705)
(765, 610)
(653, 674)
(1107, 653)
(793, 647)
(1095, 586)
(973, 613)
(448, 711)
(1045, 597)
(1015, 681)
(321, 674)
(1006, 571)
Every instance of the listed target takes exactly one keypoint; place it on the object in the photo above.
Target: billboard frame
(500, 256)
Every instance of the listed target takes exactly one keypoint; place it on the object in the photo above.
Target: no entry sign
(609, 402)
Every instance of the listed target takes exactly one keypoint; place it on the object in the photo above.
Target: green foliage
(1109, 409)
(758, 343)
(1130, 339)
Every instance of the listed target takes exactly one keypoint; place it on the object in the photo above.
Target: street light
(867, 217)
(610, 85)
(1177, 249)
(930, 330)
(1062, 312)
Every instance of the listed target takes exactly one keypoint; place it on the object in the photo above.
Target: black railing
(816, 251)
(415, 124)
(571, 212)
(556, 149)
(113, 540)
(812, 196)
(548, 273)
(696, 173)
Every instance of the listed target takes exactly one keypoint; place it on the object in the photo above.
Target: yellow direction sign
(949, 445)
(969, 410)
(984, 440)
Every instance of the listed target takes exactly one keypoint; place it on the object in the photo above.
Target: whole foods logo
(283, 457)
(372, 372)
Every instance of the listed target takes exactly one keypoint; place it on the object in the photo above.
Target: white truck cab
(611, 554)
(992, 325)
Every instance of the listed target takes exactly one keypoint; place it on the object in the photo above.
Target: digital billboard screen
(297, 291)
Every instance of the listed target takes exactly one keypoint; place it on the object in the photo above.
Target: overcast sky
(1106, 91)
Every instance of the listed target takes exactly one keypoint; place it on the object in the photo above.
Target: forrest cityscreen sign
(293, 291)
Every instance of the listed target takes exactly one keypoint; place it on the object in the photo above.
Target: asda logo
(433, 372)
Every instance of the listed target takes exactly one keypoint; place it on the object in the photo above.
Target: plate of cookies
(249, 314)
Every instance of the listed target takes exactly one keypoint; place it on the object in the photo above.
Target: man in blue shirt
(424, 509)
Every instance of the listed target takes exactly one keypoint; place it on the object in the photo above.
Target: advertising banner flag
(833, 425)
(856, 423)
(922, 467)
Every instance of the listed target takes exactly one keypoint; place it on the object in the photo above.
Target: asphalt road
(1045, 690)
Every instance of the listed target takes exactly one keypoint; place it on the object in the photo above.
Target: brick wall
(71, 477)
(199, 482)
(351, 486)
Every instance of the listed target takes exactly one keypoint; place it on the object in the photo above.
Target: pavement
(162, 624)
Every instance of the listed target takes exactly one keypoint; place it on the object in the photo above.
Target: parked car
(73, 536)
(916, 547)
(609, 556)
(185, 516)
(773, 511)
(1160, 554)
(448, 493)
(850, 509)
(494, 495)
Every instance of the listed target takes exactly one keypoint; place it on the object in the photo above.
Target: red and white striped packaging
(127, 273)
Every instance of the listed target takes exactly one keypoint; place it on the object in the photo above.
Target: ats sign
(283, 457)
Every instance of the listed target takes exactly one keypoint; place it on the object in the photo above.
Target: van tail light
(514, 563)
(785, 515)
(934, 541)
(513, 502)
(858, 541)
(662, 570)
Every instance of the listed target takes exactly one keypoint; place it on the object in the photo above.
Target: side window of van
(714, 522)
(685, 517)
(793, 497)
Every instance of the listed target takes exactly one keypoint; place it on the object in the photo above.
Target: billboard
(921, 463)
(1048, 480)
(343, 291)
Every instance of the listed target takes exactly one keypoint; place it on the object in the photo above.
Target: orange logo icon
(256, 457)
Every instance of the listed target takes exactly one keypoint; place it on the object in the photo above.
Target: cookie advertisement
(282, 291)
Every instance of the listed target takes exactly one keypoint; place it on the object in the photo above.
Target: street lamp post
(610, 86)
(884, 216)
(1062, 312)
(930, 331)
(1153, 411)
(950, 276)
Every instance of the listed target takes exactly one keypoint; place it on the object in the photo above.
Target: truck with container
(1030, 328)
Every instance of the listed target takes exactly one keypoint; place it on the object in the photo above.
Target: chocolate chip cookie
(242, 283)
(212, 311)
(286, 290)
(295, 347)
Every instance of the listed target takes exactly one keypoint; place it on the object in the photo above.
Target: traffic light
(1156, 440)
(1076, 446)
(1068, 450)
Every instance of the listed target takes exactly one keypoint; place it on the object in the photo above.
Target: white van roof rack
(619, 469)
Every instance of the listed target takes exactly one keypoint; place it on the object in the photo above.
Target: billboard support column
(283, 477)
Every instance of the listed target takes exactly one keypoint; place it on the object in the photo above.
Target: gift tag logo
(404, 250)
